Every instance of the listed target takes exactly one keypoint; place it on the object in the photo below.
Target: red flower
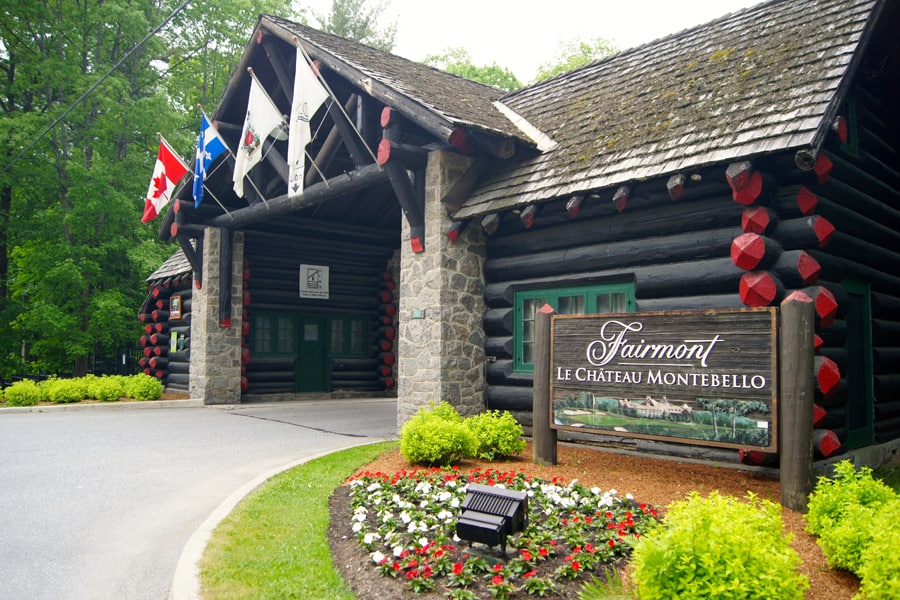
(543, 552)
(497, 580)
(457, 568)
(526, 555)
(576, 566)
(529, 574)
(498, 568)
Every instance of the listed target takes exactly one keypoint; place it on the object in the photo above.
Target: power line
(87, 93)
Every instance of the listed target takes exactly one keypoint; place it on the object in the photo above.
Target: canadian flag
(169, 170)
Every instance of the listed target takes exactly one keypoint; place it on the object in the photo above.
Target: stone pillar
(215, 350)
(441, 332)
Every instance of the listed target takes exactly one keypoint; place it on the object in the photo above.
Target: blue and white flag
(210, 146)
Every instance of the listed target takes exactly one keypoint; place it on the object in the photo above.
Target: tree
(576, 53)
(357, 20)
(459, 62)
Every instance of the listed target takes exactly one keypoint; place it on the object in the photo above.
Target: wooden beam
(335, 187)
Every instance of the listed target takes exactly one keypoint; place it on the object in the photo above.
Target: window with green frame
(349, 336)
(274, 334)
(607, 298)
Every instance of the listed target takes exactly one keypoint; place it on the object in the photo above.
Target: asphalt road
(98, 504)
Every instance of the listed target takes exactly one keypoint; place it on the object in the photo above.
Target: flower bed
(406, 522)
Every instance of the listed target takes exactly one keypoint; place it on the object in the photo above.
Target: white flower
(455, 503)
(596, 491)
(404, 516)
(423, 487)
(445, 515)
(370, 537)
(423, 504)
(451, 484)
(357, 527)
(629, 496)
(374, 486)
(377, 557)
(423, 541)
(398, 550)
(444, 496)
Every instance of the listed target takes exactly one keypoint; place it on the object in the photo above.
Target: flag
(210, 146)
(309, 95)
(169, 170)
(263, 119)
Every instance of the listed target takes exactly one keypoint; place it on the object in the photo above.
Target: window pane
(285, 335)
(529, 309)
(337, 336)
(262, 335)
(358, 337)
(607, 303)
(571, 305)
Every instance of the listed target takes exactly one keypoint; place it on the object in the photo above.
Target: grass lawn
(273, 545)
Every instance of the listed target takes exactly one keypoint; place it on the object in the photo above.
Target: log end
(750, 192)
(620, 198)
(747, 251)
(824, 230)
(822, 168)
(828, 376)
(819, 414)
(384, 152)
(807, 202)
(756, 219)
(826, 441)
(757, 458)
(675, 186)
(758, 288)
(808, 268)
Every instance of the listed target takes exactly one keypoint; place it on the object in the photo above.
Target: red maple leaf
(159, 185)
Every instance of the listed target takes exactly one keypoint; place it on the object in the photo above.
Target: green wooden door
(312, 367)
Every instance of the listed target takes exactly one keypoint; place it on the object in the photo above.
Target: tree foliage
(359, 20)
(80, 104)
(576, 53)
(459, 62)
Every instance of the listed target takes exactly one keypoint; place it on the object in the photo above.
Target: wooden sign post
(796, 391)
(543, 437)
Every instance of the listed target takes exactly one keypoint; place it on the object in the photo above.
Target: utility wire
(72, 106)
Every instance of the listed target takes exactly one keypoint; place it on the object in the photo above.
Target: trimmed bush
(718, 547)
(22, 393)
(66, 391)
(840, 497)
(497, 434)
(106, 389)
(436, 435)
(144, 387)
(879, 575)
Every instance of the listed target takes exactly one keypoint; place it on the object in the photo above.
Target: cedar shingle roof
(461, 102)
(177, 264)
(764, 79)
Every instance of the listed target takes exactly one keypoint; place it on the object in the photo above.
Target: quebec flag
(210, 146)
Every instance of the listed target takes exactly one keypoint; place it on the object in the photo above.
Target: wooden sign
(699, 377)
(175, 307)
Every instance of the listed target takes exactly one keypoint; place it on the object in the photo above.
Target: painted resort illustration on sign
(696, 377)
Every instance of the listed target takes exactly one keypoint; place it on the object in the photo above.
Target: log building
(720, 167)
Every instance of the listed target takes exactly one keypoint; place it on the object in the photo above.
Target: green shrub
(436, 435)
(718, 547)
(106, 389)
(879, 575)
(497, 434)
(143, 387)
(22, 393)
(66, 391)
(840, 497)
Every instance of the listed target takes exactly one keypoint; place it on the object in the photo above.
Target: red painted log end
(620, 198)
(819, 414)
(756, 458)
(826, 442)
(747, 251)
(809, 268)
(758, 288)
(386, 114)
(822, 168)
(756, 219)
(824, 230)
(384, 152)
(807, 202)
(675, 185)
(828, 375)
(750, 192)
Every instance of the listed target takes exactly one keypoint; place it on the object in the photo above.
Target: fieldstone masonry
(441, 335)
(216, 350)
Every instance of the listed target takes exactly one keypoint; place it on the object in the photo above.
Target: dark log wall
(360, 286)
(163, 358)
(745, 234)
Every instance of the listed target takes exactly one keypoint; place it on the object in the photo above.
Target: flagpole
(333, 97)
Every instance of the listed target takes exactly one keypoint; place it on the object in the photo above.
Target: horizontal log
(502, 372)
(853, 223)
(864, 252)
(757, 458)
(862, 202)
(885, 306)
(271, 376)
(359, 386)
(608, 255)
(885, 359)
(710, 301)
(274, 387)
(668, 219)
(837, 268)
(796, 268)
(795, 201)
(340, 376)
(177, 378)
(512, 398)
(498, 322)
(804, 233)
(499, 346)
(837, 354)
(887, 386)
(886, 431)
(834, 417)
(837, 397)
(271, 363)
(387, 358)
(354, 364)
(179, 367)
(884, 331)
(887, 410)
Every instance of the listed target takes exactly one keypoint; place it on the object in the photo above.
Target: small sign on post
(700, 377)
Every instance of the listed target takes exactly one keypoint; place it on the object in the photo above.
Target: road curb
(136, 405)
(186, 580)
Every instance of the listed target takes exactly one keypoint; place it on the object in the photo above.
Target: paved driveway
(99, 503)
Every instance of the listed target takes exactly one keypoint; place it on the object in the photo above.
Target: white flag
(308, 97)
(263, 119)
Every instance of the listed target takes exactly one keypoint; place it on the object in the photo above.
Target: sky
(521, 36)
